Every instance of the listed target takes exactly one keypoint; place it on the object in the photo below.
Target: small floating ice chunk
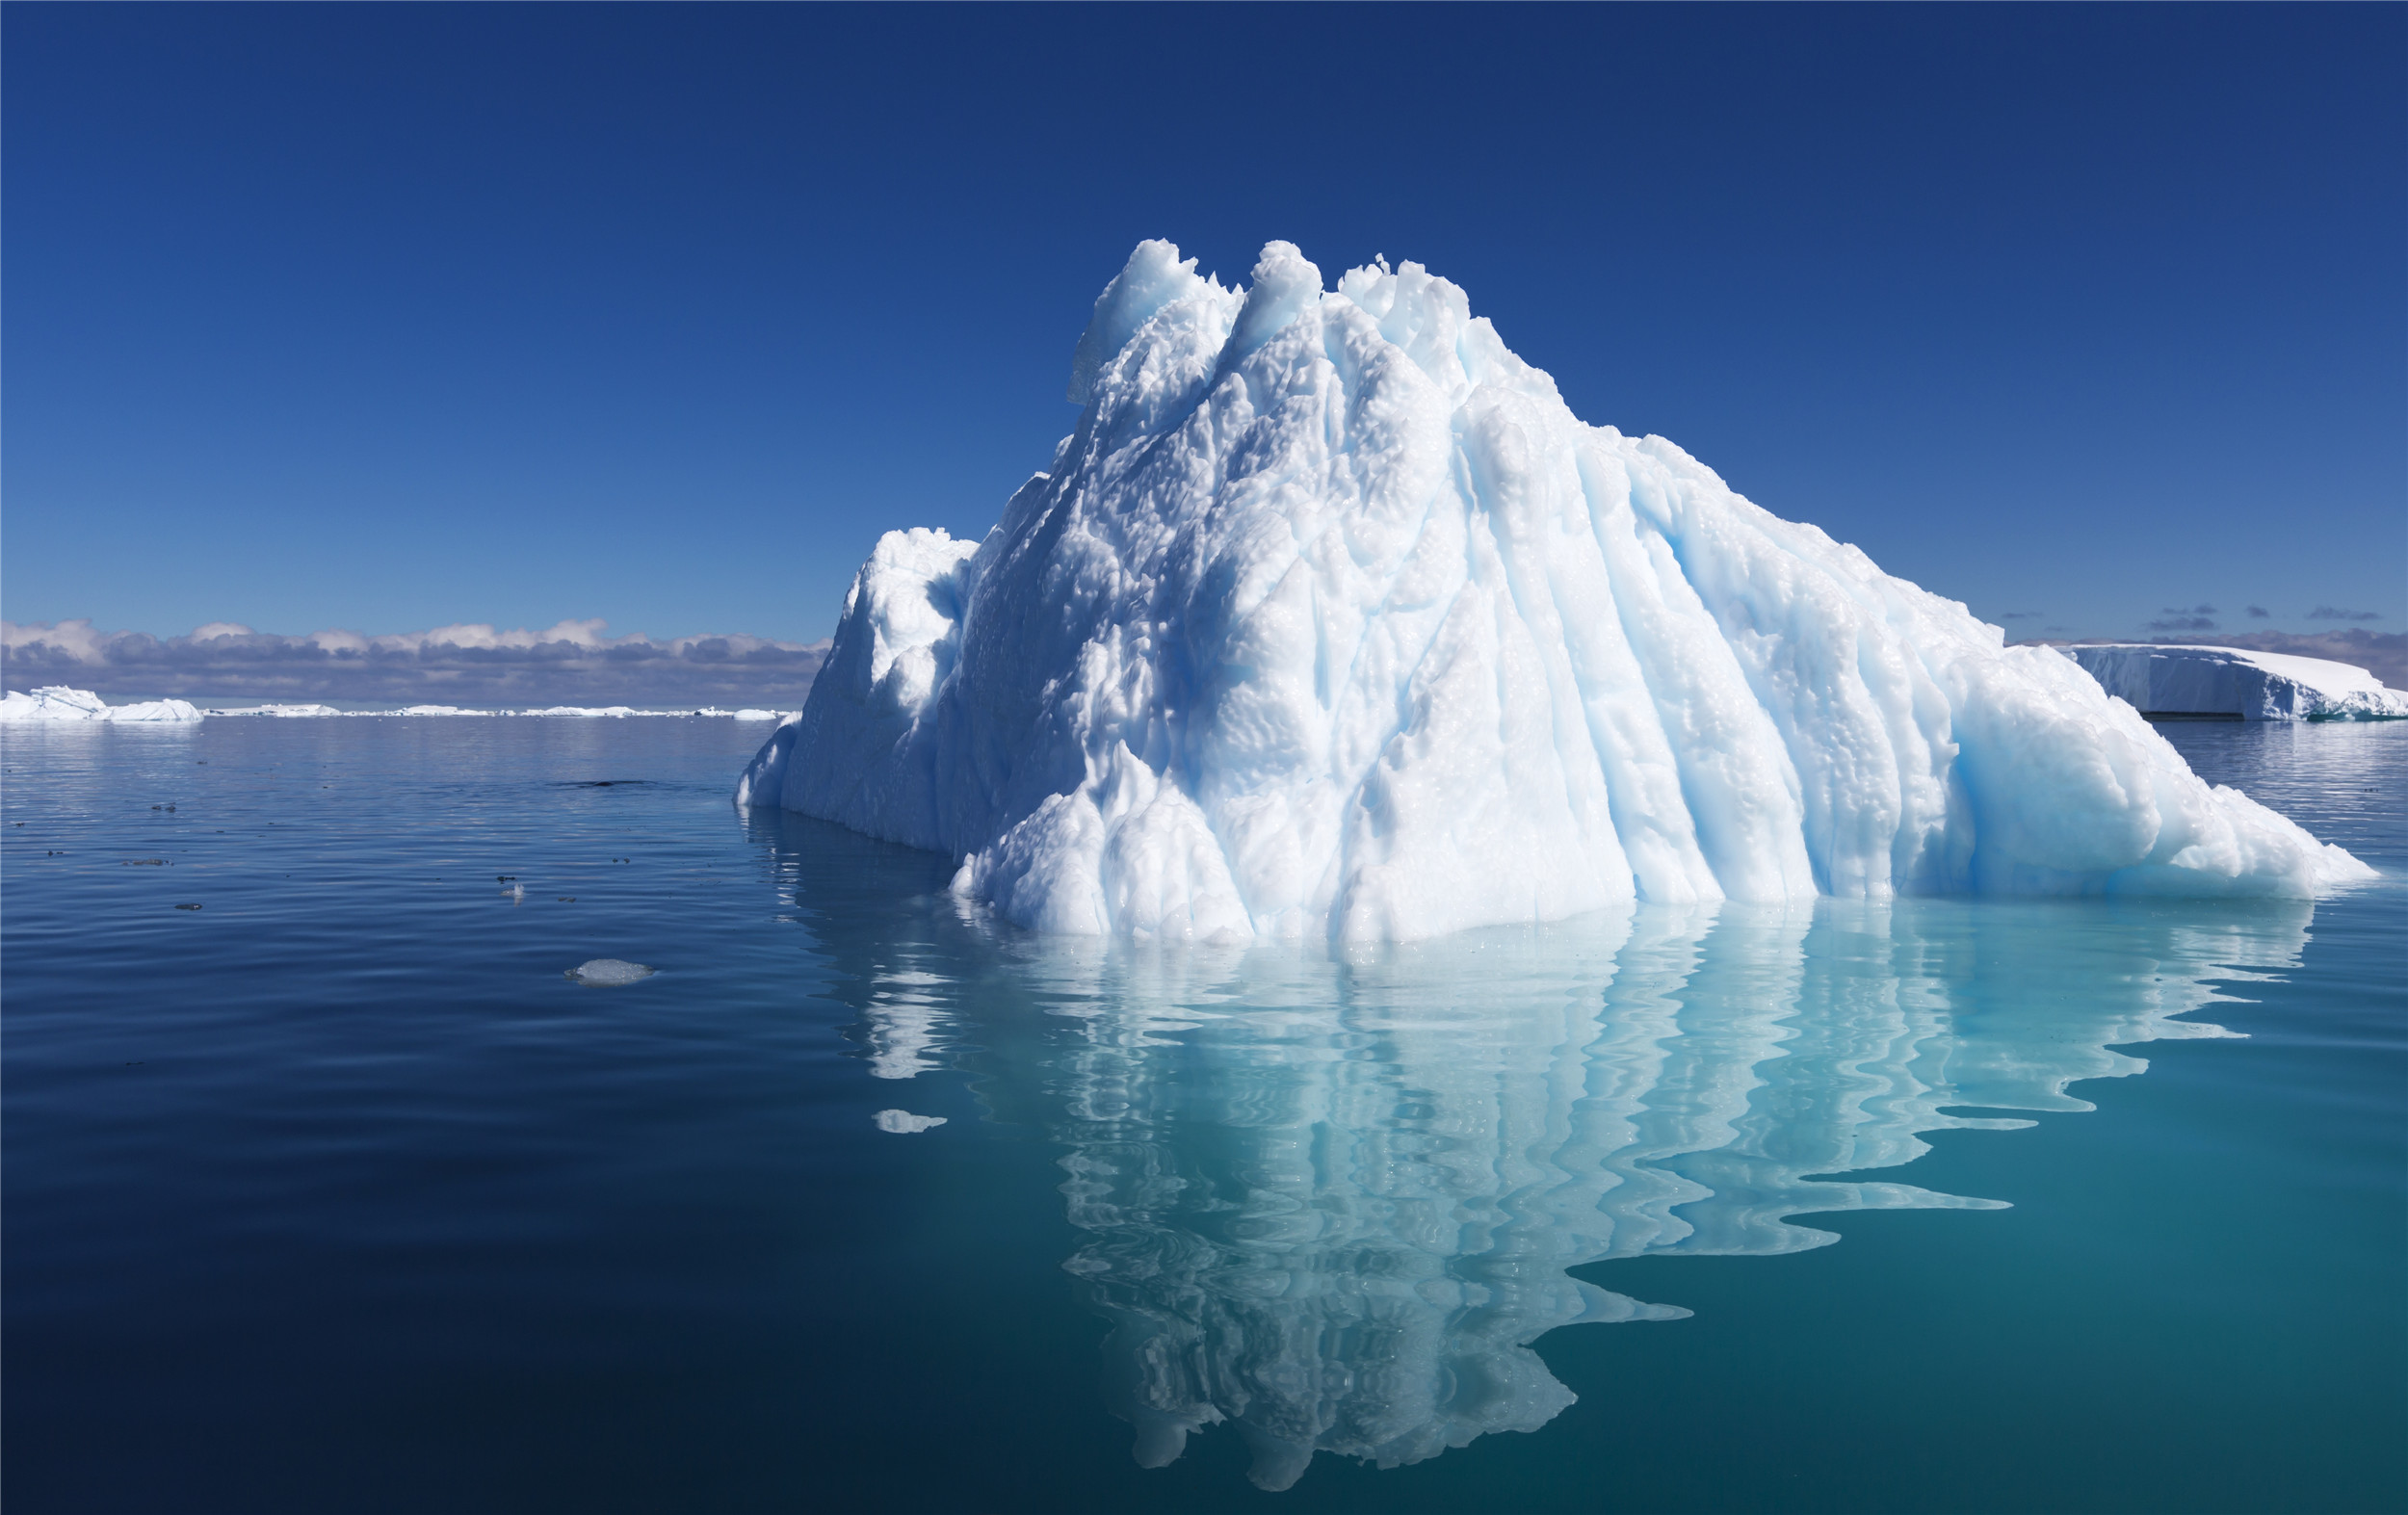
(903, 1123)
(608, 972)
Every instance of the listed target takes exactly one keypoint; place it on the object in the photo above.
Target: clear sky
(388, 317)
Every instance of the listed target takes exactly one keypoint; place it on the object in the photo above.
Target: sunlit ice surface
(336, 1191)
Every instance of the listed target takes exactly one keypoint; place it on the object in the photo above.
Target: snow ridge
(1331, 621)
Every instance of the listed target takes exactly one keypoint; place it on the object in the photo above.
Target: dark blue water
(335, 1193)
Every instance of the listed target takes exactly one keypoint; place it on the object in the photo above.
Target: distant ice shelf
(292, 711)
(1331, 621)
(57, 702)
(2238, 683)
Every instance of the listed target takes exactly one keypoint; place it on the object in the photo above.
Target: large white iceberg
(1332, 618)
(2239, 682)
(58, 702)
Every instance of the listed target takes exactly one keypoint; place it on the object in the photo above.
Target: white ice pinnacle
(1332, 620)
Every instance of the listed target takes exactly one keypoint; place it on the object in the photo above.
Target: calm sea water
(335, 1194)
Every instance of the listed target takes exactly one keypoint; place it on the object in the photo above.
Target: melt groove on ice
(1332, 620)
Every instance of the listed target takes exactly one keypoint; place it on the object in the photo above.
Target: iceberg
(2238, 682)
(1331, 621)
(58, 702)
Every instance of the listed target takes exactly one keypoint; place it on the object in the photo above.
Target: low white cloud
(574, 662)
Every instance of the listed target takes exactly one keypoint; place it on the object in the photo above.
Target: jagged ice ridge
(1331, 619)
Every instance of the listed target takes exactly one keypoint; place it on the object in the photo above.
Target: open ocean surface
(335, 1194)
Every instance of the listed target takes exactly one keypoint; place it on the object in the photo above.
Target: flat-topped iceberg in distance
(58, 702)
(2239, 682)
(1332, 620)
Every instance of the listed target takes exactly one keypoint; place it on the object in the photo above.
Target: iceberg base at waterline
(1328, 1202)
(1331, 622)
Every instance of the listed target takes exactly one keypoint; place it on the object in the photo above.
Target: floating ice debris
(516, 892)
(903, 1123)
(1331, 621)
(606, 972)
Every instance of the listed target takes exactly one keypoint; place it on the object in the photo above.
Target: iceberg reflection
(1333, 1201)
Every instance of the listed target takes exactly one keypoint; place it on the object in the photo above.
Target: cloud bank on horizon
(573, 663)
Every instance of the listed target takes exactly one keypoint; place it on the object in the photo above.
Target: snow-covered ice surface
(58, 702)
(1331, 619)
(2237, 681)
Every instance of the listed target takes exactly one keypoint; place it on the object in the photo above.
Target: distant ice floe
(2236, 681)
(605, 973)
(903, 1123)
(1331, 622)
(58, 702)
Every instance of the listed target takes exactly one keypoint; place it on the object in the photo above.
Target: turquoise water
(335, 1193)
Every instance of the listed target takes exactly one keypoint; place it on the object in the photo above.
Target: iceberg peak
(1332, 620)
(1154, 277)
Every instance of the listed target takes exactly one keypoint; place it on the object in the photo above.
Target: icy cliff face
(2237, 681)
(1332, 620)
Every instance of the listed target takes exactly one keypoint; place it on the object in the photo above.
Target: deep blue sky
(386, 317)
